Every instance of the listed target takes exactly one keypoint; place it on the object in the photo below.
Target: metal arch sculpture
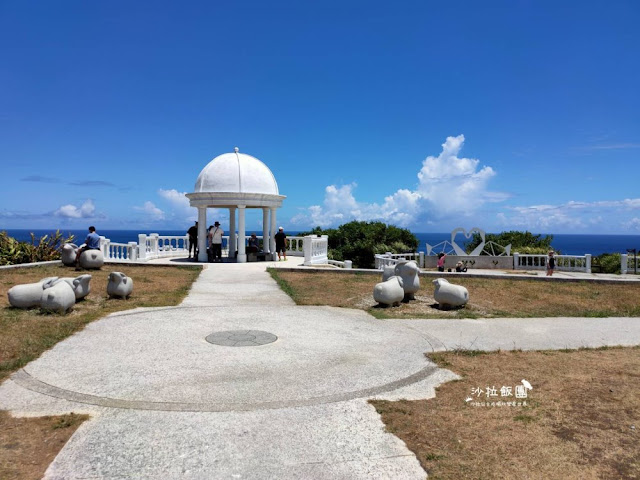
(484, 247)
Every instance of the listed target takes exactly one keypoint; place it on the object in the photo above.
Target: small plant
(432, 457)
(66, 421)
(524, 418)
(46, 248)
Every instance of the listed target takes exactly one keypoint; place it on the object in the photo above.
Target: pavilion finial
(236, 149)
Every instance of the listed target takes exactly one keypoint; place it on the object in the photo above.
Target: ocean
(568, 244)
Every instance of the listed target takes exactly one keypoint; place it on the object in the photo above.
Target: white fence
(152, 246)
(567, 263)
(386, 259)
(316, 250)
(629, 263)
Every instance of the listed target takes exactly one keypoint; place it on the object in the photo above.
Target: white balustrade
(295, 248)
(151, 246)
(566, 263)
(386, 259)
(316, 249)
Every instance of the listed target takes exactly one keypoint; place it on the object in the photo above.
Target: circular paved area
(160, 360)
(241, 338)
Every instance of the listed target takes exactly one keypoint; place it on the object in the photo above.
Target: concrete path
(166, 403)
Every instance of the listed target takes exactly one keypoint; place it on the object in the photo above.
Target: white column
(202, 234)
(624, 263)
(232, 232)
(142, 246)
(272, 236)
(265, 231)
(242, 253)
(132, 251)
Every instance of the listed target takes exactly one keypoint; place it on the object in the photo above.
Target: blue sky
(503, 115)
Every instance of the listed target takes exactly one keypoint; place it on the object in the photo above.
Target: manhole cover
(241, 338)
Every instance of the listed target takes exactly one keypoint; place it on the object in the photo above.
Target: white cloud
(633, 224)
(150, 209)
(453, 185)
(179, 205)
(448, 185)
(571, 215)
(181, 211)
(340, 206)
(86, 210)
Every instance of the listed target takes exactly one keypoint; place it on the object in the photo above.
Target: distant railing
(392, 259)
(629, 263)
(567, 263)
(152, 246)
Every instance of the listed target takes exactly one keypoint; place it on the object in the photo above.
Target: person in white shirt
(215, 242)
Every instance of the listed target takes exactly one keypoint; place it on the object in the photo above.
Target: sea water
(568, 244)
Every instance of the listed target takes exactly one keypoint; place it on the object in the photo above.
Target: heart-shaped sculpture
(460, 251)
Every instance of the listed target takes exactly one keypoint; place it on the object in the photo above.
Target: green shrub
(360, 241)
(609, 262)
(13, 252)
(521, 242)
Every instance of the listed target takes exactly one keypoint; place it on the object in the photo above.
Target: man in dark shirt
(193, 240)
(281, 243)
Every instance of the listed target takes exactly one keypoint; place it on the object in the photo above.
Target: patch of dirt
(29, 445)
(578, 422)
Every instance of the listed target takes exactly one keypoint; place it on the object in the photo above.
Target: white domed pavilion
(236, 181)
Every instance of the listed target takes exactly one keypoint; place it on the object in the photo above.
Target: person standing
(193, 240)
(281, 243)
(215, 241)
(551, 264)
(441, 257)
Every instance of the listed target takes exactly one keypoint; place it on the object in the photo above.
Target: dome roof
(236, 173)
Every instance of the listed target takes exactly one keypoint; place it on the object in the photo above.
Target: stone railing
(118, 252)
(158, 246)
(629, 263)
(567, 263)
(387, 259)
(295, 247)
(316, 249)
(347, 264)
(152, 246)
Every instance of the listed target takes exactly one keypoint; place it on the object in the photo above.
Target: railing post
(516, 261)
(623, 263)
(104, 246)
(348, 264)
(306, 247)
(142, 246)
(421, 260)
(154, 244)
(588, 262)
(132, 252)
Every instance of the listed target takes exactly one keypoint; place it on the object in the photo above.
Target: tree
(360, 241)
(521, 242)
